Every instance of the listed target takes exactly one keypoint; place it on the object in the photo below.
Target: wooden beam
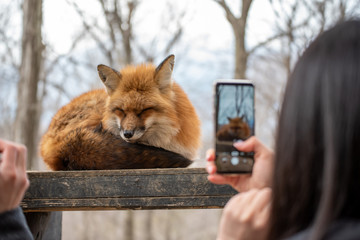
(123, 189)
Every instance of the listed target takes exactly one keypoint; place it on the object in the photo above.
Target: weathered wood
(123, 189)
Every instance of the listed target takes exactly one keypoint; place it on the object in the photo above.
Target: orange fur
(237, 128)
(141, 104)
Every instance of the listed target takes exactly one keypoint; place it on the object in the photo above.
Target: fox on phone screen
(142, 119)
(235, 129)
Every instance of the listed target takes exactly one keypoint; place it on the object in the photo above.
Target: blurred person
(13, 184)
(308, 189)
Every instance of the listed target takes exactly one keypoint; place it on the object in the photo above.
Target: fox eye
(144, 110)
(118, 110)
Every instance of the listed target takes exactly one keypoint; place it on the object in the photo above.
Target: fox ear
(110, 77)
(163, 72)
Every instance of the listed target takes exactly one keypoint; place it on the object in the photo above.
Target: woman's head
(317, 166)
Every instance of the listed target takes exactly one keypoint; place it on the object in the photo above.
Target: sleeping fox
(142, 119)
(236, 129)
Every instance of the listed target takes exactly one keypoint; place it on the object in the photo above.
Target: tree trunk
(27, 112)
(238, 25)
(239, 28)
(127, 46)
(241, 54)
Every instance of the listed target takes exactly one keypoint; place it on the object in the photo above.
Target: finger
(235, 202)
(210, 155)
(263, 198)
(211, 167)
(257, 201)
(239, 183)
(239, 204)
(238, 199)
(22, 157)
(26, 183)
(9, 157)
(2, 145)
(248, 145)
(262, 221)
(219, 179)
(264, 215)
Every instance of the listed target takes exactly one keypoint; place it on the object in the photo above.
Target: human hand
(13, 177)
(261, 175)
(246, 216)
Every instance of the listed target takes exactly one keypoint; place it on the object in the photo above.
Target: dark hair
(317, 155)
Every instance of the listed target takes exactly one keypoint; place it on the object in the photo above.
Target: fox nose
(128, 133)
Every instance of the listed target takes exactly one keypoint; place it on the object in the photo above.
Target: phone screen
(235, 120)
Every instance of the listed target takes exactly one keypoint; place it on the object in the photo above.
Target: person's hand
(261, 175)
(246, 216)
(13, 177)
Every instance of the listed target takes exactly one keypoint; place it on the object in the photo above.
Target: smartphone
(234, 121)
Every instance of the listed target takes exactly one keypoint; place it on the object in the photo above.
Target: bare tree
(9, 66)
(119, 21)
(329, 12)
(174, 31)
(238, 25)
(28, 110)
(296, 23)
(297, 29)
(117, 41)
(287, 26)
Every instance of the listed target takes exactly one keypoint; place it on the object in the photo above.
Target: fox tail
(90, 149)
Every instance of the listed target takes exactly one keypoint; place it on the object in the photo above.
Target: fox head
(140, 101)
(238, 127)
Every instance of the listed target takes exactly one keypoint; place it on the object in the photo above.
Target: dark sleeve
(13, 226)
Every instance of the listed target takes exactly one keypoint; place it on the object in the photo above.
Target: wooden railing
(52, 192)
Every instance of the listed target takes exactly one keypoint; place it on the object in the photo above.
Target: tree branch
(267, 41)
(229, 15)
(87, 26)
(110, 21)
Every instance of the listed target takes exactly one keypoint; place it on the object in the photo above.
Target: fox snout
(132, 135)
(128, 133)
(131, 126)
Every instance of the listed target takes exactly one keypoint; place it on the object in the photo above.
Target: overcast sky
(205, 18)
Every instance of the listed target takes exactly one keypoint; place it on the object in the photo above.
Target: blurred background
(49, 51)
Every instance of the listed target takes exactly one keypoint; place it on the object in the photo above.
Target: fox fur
(236, 129)
(143, 119)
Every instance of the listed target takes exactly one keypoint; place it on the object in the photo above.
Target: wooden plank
(123, 189)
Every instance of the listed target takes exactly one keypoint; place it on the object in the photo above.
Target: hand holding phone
(234, 121)
(261, 175)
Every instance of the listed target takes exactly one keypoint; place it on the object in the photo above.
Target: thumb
(248, 145)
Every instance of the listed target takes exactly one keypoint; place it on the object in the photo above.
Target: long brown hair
(317, 162)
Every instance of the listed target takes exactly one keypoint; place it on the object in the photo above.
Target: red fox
(237, 128)
(143, 119)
